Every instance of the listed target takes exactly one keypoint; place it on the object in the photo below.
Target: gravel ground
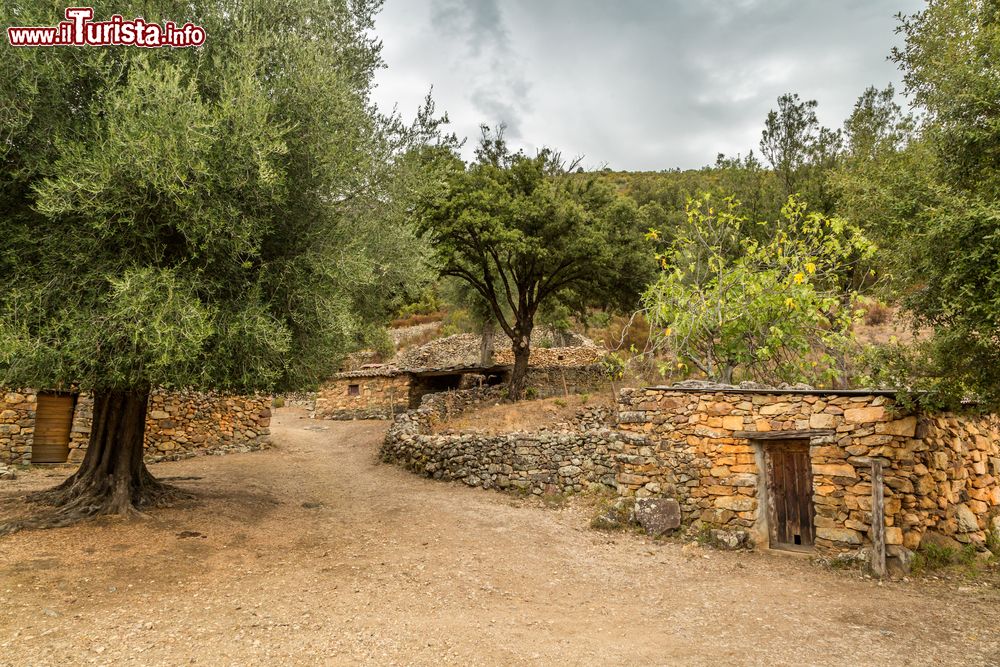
(313, 554)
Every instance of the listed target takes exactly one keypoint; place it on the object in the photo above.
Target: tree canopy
(522, 232)
(930, 188)
(771, 311)
(231, 216)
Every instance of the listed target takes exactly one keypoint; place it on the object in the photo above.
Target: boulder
(658, 516)
(936, 539)
(967, 522)
(898, 561)
(7, 473)
(730, 539)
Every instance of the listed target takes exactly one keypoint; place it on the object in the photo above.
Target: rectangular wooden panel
(791, 512)
(53, 422)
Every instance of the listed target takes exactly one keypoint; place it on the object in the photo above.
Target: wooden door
(791, 514)
(53, 421)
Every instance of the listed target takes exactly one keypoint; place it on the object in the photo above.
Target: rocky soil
(312, 554)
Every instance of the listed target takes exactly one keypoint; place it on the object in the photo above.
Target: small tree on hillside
(521, 233)
(771, 309)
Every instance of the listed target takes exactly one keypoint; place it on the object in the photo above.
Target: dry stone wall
(17, 425)
(940, 472)
(546, 381)
(539, 462)
(583, 355)
(179, 424)
(377, 397)
(707, 449)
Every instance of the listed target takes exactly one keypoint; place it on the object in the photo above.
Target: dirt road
(313, 554)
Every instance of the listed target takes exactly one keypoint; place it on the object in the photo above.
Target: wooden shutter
(53, 421)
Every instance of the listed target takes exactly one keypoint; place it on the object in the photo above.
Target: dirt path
(313, 554)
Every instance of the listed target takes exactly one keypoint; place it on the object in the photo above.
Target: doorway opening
(788, 483)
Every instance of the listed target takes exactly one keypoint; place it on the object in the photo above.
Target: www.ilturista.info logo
(79, 30)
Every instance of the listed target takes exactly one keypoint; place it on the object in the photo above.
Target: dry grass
(414, 320)
(523, 415)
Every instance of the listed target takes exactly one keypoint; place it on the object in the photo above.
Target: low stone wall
(582, 355)
(17, 425)
(538, 462)
(707, 449)
(549, 381)
(179, 424)
(378, 396)
(940, 472)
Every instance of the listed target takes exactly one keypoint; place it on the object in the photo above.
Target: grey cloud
(497, 87)
(636, 85)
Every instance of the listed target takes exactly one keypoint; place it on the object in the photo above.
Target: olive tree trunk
(113, 479)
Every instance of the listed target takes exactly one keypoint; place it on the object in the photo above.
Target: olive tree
(230, 217)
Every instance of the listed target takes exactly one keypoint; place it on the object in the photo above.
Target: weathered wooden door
(791, 513)
(53, 422)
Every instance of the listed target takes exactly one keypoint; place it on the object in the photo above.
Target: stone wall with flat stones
(179, 424)
(378, 397)
(545, 461)
(17, 424)
(941, 471)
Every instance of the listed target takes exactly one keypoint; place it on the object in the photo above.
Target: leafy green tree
(521, 231)
(932, 191)
(229, 217)
(771, 310)
(800, 150)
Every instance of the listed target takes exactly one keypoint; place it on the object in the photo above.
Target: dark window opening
(353, 390)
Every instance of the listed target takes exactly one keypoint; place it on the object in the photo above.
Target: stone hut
(54, 427)
(792, 469)
(795, 468)
(380, 391)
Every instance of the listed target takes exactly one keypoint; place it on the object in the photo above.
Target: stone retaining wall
(538, 462)
(582, 355)
(179, 424)
(548, 381)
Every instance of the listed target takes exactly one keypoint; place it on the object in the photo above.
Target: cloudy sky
(633, 84)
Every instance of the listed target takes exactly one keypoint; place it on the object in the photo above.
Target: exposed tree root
(75, 501)
(112, 480)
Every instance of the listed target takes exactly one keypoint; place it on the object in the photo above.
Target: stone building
(789, 469)
(795, 468)
(380, 391)
(54, 427)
